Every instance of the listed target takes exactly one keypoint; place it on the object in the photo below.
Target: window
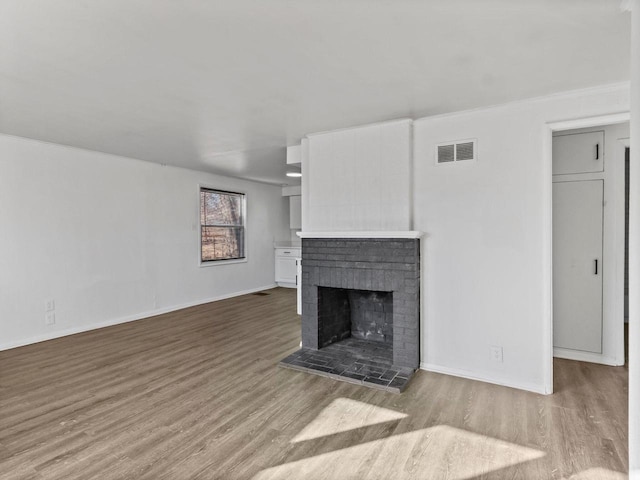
(221, 225)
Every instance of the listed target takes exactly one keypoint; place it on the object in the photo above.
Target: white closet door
(577, 265)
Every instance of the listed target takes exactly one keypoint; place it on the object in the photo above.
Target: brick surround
(371, 264)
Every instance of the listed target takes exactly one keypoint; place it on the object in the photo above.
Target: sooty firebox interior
(363, 314)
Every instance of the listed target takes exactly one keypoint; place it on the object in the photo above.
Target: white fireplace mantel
(401, 234)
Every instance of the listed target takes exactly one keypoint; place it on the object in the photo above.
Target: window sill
(222, 262)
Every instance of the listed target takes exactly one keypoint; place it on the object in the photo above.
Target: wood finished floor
(196, 394)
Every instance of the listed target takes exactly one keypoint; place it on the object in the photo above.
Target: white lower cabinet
(286, 270)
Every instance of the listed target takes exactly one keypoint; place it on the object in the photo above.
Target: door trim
(547, 179)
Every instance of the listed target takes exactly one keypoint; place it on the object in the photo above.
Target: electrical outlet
(50, 318)
(49, 305)
(496, 353)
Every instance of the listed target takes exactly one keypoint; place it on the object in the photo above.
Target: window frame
(226, 261)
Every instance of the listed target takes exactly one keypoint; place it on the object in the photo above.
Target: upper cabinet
(294, 193)
(295, 212)
(578, 153)
(294, 155)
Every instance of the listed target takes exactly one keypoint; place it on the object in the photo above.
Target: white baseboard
(484, 377)
(586, 357)
(126, 319)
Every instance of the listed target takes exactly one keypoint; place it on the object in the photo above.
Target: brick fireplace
(360, 308)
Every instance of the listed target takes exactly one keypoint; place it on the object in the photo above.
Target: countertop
(287, 245)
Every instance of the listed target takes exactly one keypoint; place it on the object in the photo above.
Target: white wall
(358, 179)
(113, 239)
(487, 260)
(634, 253)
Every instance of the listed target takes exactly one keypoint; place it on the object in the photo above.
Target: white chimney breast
(359, 178)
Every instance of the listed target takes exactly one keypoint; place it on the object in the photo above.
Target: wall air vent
(452, 152)
(446, 153)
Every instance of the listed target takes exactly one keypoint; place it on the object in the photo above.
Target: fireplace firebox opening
(362, 314)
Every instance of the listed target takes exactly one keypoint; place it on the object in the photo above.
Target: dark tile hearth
(355, 361)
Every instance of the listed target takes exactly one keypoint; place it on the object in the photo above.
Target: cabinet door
(578, 153)
(286, 269)
(577, 265)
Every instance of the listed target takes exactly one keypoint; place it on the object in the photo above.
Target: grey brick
(411, 283)
(389, 265)
(410, 332)
(325, 276)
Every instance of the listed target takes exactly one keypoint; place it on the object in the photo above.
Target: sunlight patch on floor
(599, 474)
(344, 414)
(432, 453)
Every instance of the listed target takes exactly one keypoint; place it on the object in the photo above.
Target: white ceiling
(225, 85)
